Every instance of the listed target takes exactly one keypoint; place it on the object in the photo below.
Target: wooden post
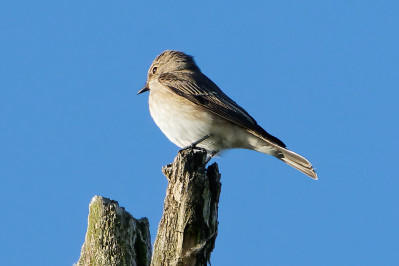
(114, 236)
(186, 233)
(188, 228)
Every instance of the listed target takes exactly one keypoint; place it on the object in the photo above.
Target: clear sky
(320, 75)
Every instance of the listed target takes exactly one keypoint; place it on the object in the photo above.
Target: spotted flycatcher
(191, 111)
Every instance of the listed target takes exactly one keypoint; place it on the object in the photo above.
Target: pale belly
(179, 121)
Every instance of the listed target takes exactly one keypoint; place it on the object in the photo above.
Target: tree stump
(186, 233)
(188, 228)
(114, 236)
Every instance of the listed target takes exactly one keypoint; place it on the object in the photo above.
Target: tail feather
(267, 145)
(289, 157)
(296, 161)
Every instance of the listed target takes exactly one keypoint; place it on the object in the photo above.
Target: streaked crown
(172, 61)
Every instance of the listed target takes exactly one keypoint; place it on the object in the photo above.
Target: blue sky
(320, 75)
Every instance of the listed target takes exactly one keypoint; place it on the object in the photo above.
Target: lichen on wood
(114, 236)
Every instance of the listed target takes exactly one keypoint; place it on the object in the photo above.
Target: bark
(186, 233)
(188, 228)
(114, 236)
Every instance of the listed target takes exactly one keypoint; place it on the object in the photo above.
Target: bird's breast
(179, 119)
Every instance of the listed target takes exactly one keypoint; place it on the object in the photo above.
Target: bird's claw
(195, 143)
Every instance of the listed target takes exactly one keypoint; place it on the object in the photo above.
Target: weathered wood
(188, 228)
(114, 236)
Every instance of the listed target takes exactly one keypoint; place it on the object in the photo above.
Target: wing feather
(199, 89)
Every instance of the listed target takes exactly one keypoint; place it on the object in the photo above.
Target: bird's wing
(199, 89)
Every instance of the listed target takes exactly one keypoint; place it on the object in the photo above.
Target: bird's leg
(194, 144)
(211, 156)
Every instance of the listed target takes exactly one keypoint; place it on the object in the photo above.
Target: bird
(192, 111)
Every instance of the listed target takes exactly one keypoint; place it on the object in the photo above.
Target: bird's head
(169, 62)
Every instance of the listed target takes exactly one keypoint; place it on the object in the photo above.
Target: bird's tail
(290, 158)
(296, 161)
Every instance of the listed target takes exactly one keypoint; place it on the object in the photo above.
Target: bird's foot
(210, 156)
(193, 146)
(195, 143)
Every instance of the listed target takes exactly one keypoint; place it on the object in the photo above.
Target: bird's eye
(154, 70)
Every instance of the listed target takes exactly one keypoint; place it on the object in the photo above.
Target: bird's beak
(144, 89)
